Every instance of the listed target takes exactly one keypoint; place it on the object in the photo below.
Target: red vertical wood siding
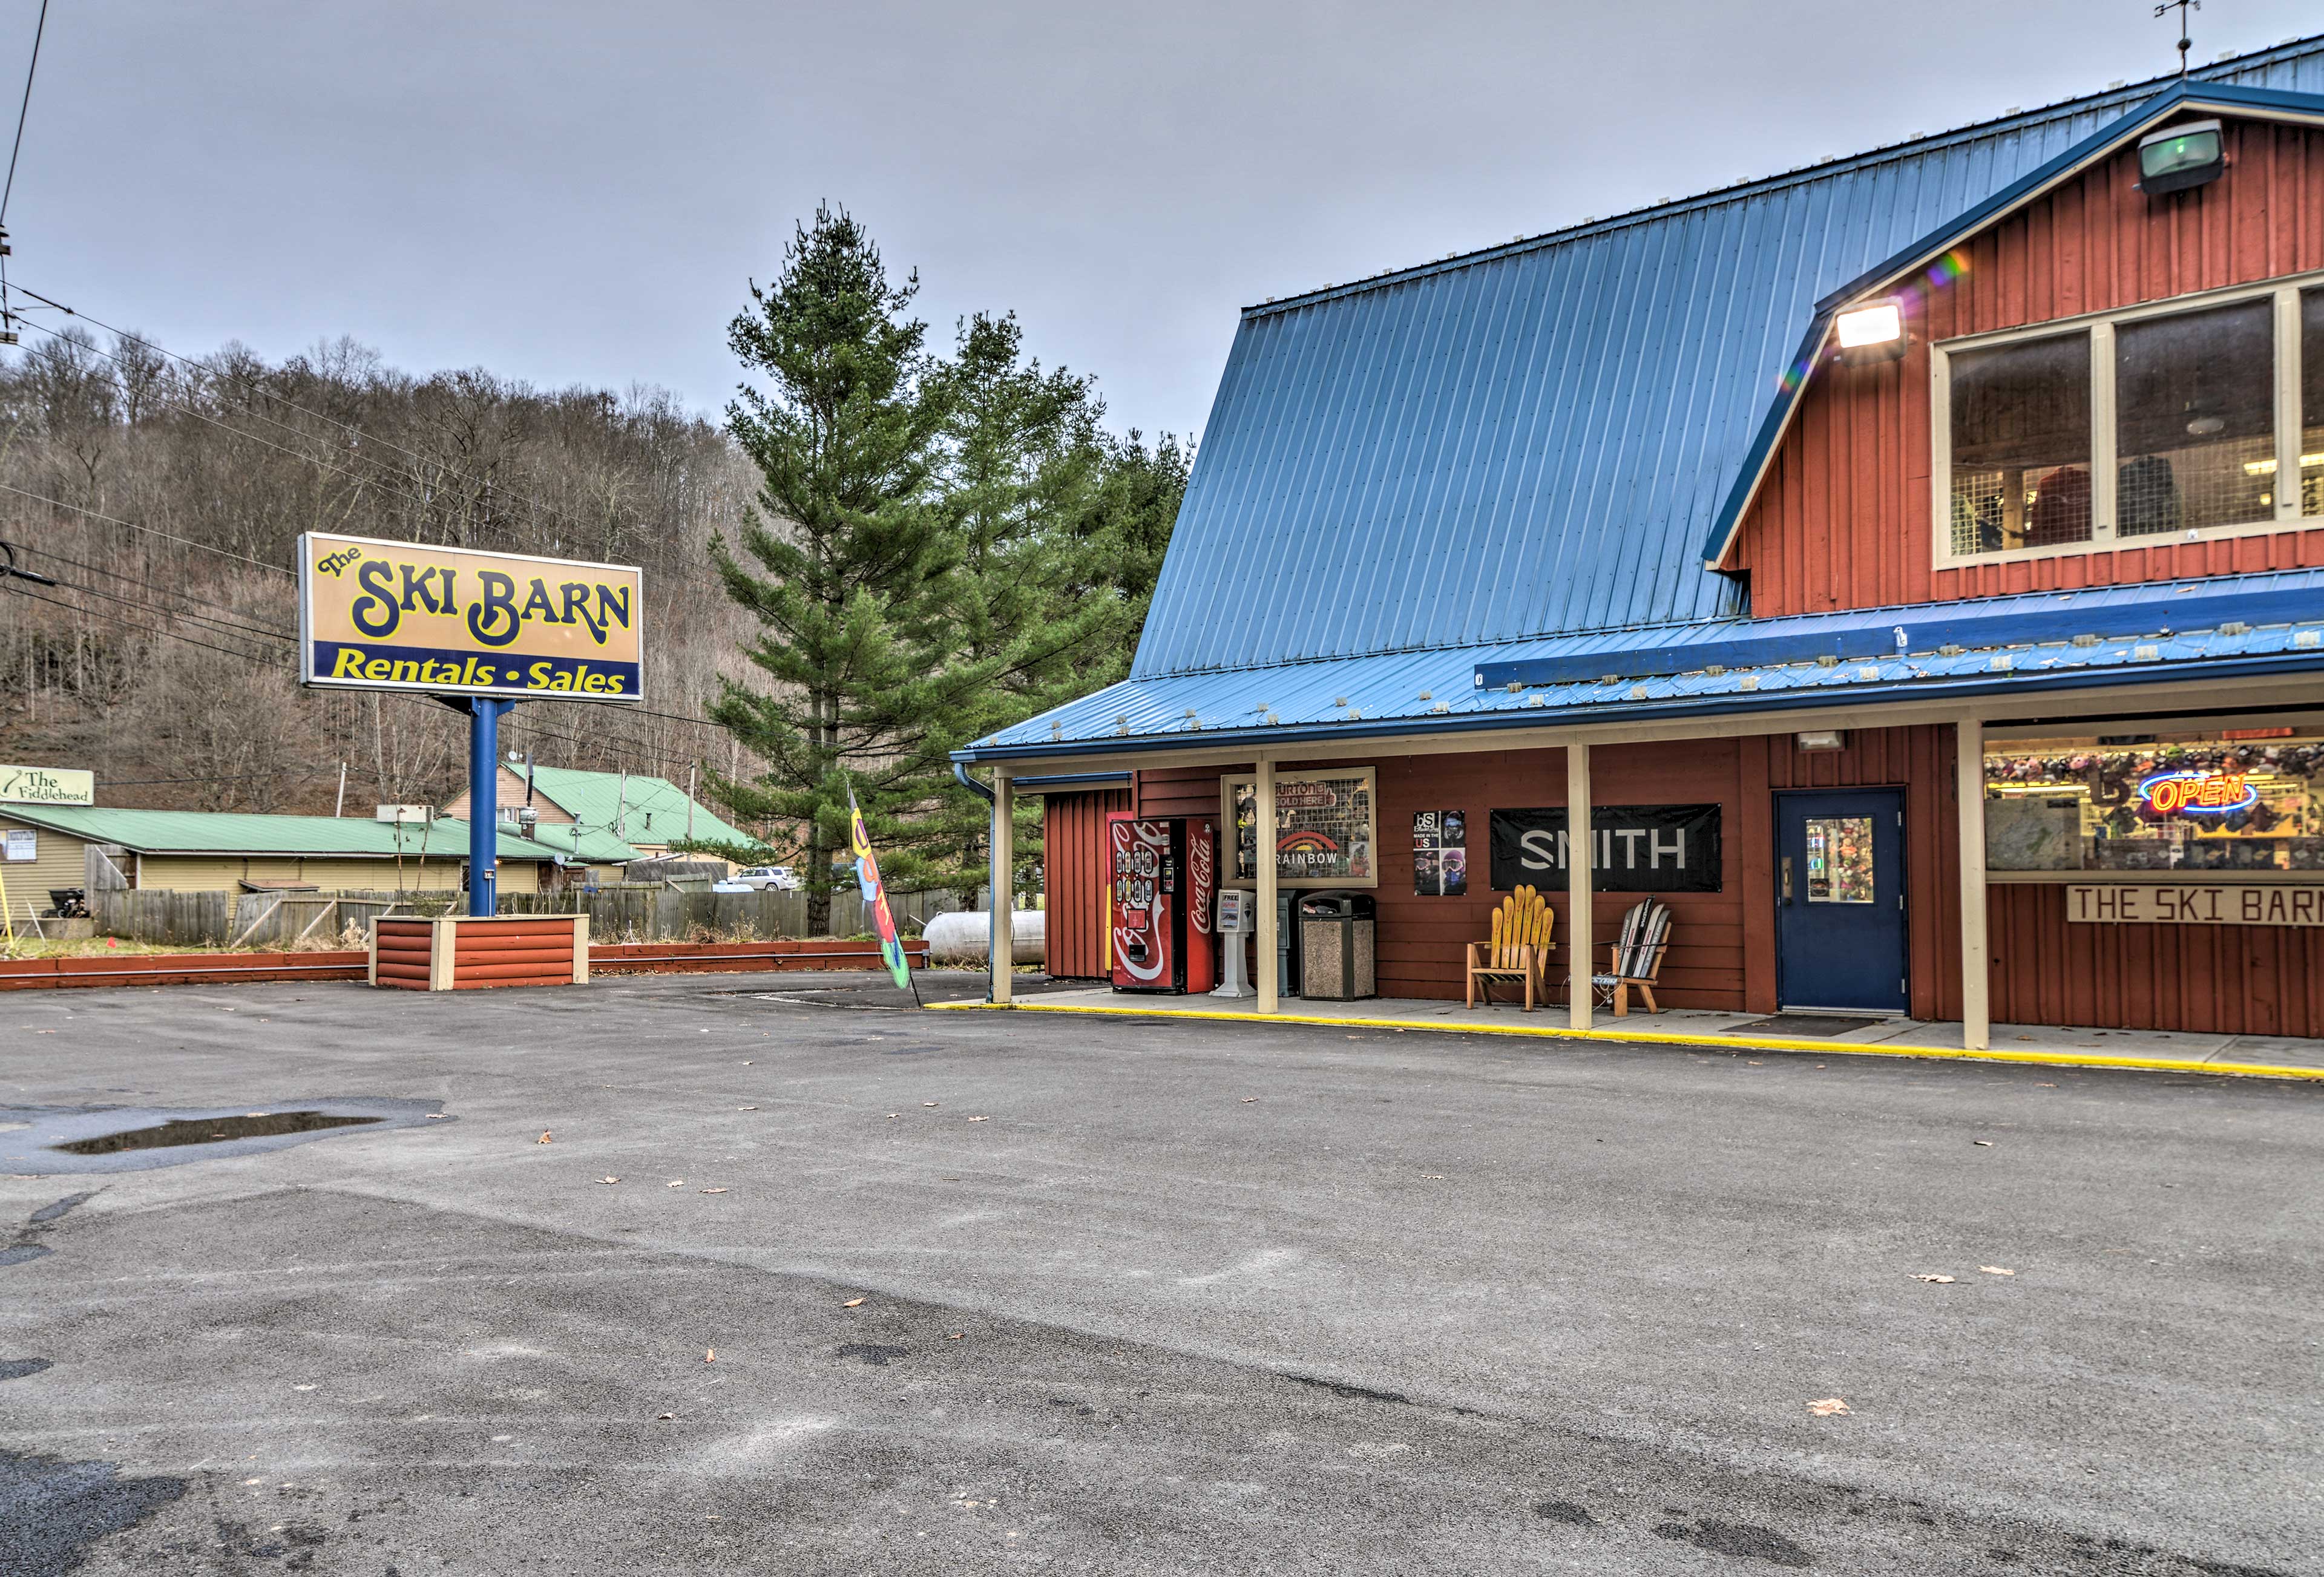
(1422, 941)
(2225, 979)
(1073, 881)
(1842, 518)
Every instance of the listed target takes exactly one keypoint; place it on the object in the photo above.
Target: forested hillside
(164, 497)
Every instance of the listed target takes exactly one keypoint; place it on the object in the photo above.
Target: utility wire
(133, 526)
(24, 109)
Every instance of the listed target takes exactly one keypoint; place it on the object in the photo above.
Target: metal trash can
(1336, 941)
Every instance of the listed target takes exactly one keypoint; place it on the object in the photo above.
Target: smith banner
(408, 616)
(1641, 848)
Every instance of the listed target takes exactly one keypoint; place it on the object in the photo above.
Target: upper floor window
(2172, 422)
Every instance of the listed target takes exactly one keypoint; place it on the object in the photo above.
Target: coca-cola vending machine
(1165, 879)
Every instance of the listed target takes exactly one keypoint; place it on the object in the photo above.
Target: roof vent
(1441, 706)
(1951, 649)
(1868, 673)
(2307, 639)
(2235, 627)
(2002, 663)
(1537, 701)
(1715, 668)
(1827, 660)
(1750, 681)
(2146, 654)
(1339, 700)
(1514, 686)
(1425, 695)
(2086, 641)
(1637, 692)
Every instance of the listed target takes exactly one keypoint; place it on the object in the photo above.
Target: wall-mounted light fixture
(1820, 739)
(1871, 334)
(2182, 157)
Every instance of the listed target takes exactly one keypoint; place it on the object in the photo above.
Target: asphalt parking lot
(805, 1281)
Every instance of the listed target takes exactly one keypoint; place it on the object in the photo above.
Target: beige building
(51, 847)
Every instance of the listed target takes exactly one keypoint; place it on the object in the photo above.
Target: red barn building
(1915, 565)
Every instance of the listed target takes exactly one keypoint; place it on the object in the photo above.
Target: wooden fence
(628, 913)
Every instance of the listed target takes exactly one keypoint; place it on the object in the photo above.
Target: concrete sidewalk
(2271, 1057)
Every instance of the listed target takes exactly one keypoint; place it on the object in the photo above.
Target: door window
(1840, 859)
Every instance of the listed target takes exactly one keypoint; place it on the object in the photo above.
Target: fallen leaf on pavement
(853, 1302)
(1247, 1100)
(1828, 1406)
(895, 1114)
(1986, 1142)
(1432, 1177)
(1996, 1270)
(544, 1138)
(675, 1183)
(1917, 1277)
(432, 1116)
(956, 1335)
(928, 1102)
(609, 1179)
(980, 1119)
(2045, 1086)
(710, 1355)
(746, 1108)
(666, 1415)
(714, 1191)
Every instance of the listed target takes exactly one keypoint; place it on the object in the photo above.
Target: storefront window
(2021, 445)
(2243, 800)
(2311, 402)
(1324, 829)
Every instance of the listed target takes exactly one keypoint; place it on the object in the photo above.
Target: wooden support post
(1269, 933)
(1976, 1012)
(1579, 847)
(1004, 896)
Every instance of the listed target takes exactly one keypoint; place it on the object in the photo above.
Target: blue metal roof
(1537, 439)
(2113, 635)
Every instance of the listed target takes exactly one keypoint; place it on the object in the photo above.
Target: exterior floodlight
(1872, 334)
(2182, 157)
(1820, 739)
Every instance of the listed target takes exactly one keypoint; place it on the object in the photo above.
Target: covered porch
(1912, 725)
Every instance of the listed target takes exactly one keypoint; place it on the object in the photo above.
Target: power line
(133, 526)
(25, 109)
(145, 629)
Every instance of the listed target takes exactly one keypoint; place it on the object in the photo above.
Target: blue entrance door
(1839, 900)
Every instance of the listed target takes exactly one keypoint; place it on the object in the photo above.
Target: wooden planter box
(455, 953)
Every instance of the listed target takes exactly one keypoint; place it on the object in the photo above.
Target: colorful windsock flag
(875, 896)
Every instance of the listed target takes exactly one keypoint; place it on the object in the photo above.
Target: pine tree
(1034, 601)
(848, 566)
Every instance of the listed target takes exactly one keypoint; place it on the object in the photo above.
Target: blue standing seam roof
(1538, 439)
(2114, 635)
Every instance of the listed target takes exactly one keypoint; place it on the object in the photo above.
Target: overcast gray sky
(576, 192)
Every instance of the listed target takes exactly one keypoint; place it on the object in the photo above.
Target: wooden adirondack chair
(1519, 950)
(1633, 958)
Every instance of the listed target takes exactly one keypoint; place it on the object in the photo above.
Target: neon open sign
(2197, 793)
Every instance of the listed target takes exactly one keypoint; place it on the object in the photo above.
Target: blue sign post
(483, 804)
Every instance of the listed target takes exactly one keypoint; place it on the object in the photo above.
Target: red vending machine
(1165, 880)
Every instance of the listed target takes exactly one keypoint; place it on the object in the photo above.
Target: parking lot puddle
(202, 1130)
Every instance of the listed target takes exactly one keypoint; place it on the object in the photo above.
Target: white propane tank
(966, 937)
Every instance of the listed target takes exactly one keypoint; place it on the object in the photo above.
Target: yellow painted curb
(1654, 1037)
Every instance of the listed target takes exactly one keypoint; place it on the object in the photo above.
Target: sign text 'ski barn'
(409, 616)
